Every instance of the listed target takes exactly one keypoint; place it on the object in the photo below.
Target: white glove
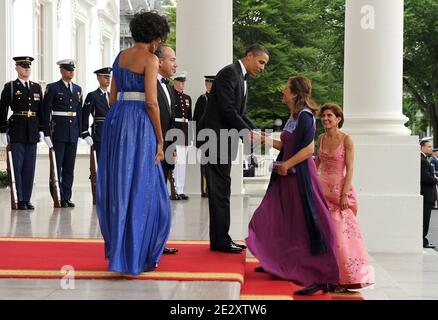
(4, 137)
(41, 136)
(48, 142)
(89, 140)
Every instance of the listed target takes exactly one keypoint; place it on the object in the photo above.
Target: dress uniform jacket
(183, 114)
(95, 104)
(27, 106)
(59, 98)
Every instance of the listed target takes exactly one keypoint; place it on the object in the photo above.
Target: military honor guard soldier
(183, 114)
(200, 106)
(96, 104)
(62, 125)
(21, 131)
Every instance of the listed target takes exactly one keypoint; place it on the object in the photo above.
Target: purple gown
(279, 233)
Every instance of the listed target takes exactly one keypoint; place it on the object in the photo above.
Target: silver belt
(136, 96)
(181, 120)
(64, 114)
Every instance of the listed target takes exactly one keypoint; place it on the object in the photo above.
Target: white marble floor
(397, 276)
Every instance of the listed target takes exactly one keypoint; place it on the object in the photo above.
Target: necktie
(165, 81)
(69, 86)
(107, 97)
(26, 85)
(246, 77)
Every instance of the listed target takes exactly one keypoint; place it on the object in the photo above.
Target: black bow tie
(246, 76)
(164, 80)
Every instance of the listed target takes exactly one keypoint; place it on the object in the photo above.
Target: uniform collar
(66, 83)
(23, 81)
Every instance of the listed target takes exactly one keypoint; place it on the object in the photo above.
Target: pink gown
(354, 268)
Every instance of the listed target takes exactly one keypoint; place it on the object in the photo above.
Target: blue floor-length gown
(132, 203)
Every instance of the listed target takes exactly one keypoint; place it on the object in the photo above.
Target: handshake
(259, 138)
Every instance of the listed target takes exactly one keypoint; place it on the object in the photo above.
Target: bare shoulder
(348, 142)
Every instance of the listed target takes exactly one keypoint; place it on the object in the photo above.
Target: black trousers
(219, 191)
(65, 162)
(427, 210)
(24, 158)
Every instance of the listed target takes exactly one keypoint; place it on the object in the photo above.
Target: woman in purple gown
(291, 232)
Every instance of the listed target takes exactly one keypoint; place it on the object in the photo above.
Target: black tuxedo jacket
(226, 108)
(167, 114)
(428, 180)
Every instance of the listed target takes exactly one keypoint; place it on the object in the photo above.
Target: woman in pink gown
(335, 164)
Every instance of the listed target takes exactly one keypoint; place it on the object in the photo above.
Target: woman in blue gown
(132, 202)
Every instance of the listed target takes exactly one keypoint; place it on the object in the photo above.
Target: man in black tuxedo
(428, 183)
(166, 99)
(166, 102)
(225, 111)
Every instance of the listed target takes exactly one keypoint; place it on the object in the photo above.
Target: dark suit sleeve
(199, 108)
(4, 107)
(89, 106)
(40, 110)
(249, 122)
(47, 109)
(427, 176)
(226, 100)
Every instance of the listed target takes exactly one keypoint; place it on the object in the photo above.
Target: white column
(387, 162)
(374, 68)
(6, 62)
(204, 40)
(204, 45)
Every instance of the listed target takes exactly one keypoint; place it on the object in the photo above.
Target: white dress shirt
(163, 85)
(244, 72)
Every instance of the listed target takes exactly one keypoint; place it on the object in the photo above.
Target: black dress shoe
(242, 246)
(428, 246)
(175, 197)
(70, 204)
(312, 290)
(170, 250)
(21, 206)
(183, 196)
(204, 195)
(231, 248)
(259, 269)
(64, 204)
(30, 206)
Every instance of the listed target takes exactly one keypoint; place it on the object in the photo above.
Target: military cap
(180, 76)
(435, 149)
(67, 64)
(104, 71)
(23, 61)
(209, 78)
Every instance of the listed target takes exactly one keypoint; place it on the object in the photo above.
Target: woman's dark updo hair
(147, 26)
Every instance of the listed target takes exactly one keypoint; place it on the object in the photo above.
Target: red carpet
(263, 286)
(44, 258)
